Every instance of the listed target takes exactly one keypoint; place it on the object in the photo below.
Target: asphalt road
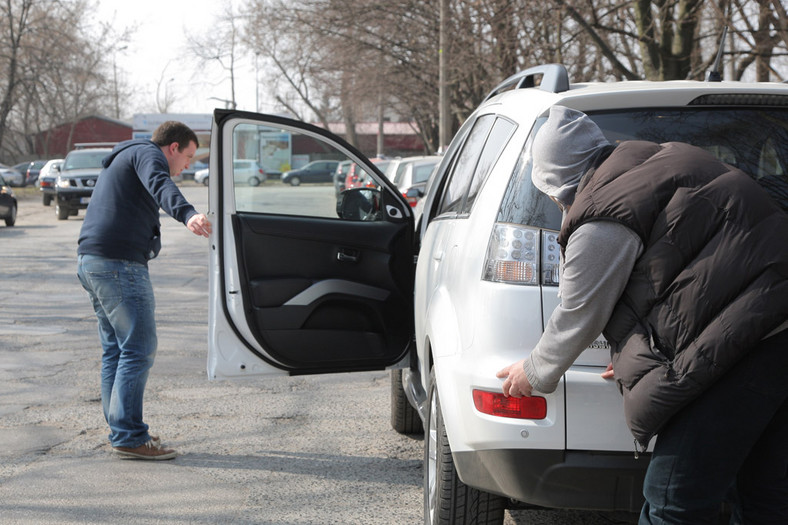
(316, 450)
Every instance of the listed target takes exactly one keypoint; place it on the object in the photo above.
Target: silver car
(11, 176)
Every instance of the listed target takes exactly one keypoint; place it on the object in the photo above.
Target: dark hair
(174, 131)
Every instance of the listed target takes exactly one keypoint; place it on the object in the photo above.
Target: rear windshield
(753, 140)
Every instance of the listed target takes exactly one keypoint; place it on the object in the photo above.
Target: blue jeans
(731, 442)
(122, 298)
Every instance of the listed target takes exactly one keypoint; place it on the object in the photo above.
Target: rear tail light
(496, 404)
(520, 254)
(551, 259)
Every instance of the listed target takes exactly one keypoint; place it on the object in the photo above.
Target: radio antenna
(714, 75)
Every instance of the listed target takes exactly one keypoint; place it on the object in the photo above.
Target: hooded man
(120, 234)
(681, 261)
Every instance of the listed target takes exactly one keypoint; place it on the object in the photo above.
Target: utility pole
(444, 119)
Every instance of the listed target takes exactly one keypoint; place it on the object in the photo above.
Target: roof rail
(555, 79)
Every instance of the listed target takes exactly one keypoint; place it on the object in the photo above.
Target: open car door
(303, 279)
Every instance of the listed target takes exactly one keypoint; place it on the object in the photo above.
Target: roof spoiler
(554, 78)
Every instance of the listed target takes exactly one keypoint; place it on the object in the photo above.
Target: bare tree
(341, 59)
(221, 45)
(16, 17)
(53, 80)
(760, 30)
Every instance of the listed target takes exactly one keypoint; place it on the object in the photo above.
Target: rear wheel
(447, 500)
(295, 181)
(47, 199)
(205, 181)
(254, 181)
(404, 418)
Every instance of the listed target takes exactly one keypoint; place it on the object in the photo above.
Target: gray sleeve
(598, 261)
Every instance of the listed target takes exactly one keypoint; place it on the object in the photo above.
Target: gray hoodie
(599, 256)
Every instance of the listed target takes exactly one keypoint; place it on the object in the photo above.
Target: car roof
(598, 96)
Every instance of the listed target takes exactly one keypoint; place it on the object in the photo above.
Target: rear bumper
(557, 478)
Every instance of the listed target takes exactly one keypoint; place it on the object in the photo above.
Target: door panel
(300, 283)
(320, 293)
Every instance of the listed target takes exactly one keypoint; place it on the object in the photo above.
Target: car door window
(465, 165)
(279, 151)
(496, 141)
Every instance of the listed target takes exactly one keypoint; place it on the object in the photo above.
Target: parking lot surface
(288, 450)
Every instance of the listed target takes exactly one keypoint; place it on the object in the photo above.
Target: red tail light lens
(496, 404)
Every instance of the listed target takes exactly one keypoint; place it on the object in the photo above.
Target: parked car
(315, 171)
(340, 175)
(248, 171)
(11, 176)
(194, 167)
(412, 171)
(357, 177)
(76, 180)
(47, 178)
(201, 176)
(30, 169)
(8, 203)
(305, 292)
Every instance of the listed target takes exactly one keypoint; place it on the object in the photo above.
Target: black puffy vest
(712, 280)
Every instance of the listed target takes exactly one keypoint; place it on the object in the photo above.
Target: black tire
(11, 219)
(447, 500)
(404, 418)
(62, 212)
(294, 181)
(47, 199)
(254, 181)
(205, 181)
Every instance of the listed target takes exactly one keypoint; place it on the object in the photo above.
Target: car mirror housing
(359, 204)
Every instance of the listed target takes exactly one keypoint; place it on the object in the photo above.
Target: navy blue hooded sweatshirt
(122, 219)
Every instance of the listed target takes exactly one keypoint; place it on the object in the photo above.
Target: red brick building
(56, 142)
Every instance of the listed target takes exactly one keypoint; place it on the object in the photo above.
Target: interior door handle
(346, 255)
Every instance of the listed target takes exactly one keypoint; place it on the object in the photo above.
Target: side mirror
(414, 193)
(56, 167)
(359, 204)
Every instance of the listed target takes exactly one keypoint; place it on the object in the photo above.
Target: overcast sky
(158, 56)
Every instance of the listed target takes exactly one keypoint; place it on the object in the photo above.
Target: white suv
(300, 290)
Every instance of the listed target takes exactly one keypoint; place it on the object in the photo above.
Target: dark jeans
(732, 439)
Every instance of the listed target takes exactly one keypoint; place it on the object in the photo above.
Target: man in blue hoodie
(120, 234)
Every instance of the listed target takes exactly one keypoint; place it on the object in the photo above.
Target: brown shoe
(149, 450)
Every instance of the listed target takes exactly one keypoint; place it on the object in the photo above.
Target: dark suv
(77, 178)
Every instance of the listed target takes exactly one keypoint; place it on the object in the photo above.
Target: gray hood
(564, 149)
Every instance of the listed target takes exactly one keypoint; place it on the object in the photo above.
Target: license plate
(84, 200)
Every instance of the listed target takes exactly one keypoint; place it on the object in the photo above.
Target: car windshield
(79, 160)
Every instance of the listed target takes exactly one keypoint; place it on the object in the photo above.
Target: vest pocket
(636, 356)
